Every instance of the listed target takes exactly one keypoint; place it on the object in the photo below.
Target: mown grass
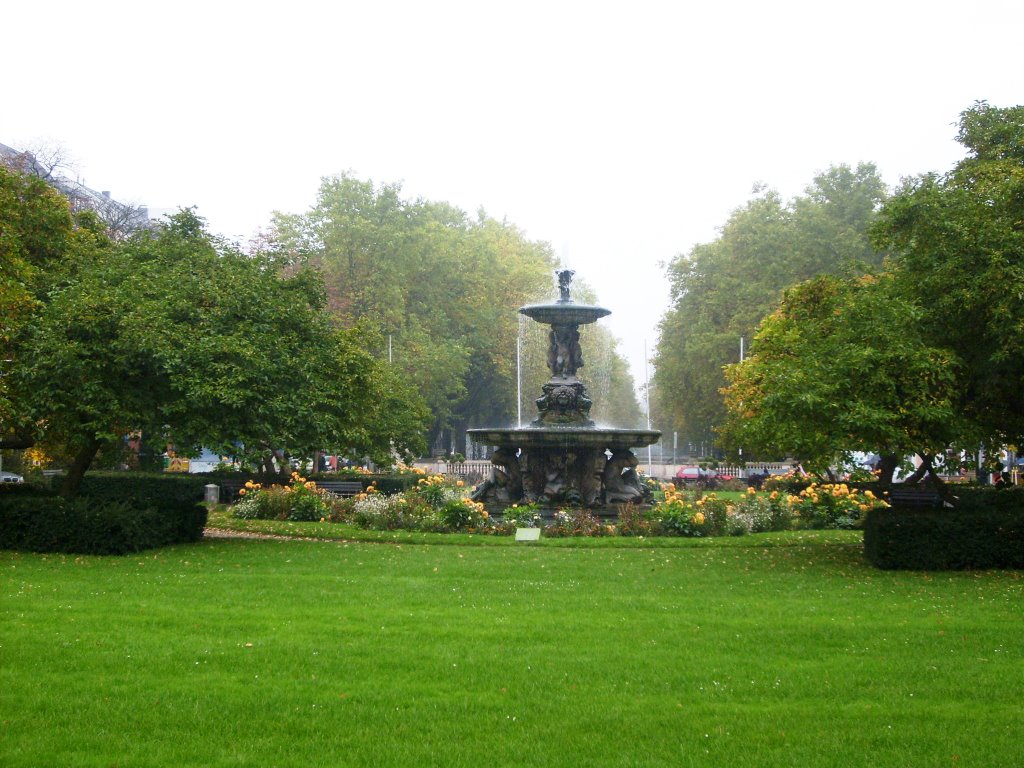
(299, 653)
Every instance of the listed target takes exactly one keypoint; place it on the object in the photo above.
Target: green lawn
(763, 651)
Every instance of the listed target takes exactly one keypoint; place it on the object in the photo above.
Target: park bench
(341, 488)
(914, 496)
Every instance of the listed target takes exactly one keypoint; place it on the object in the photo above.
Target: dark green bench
(914, 496)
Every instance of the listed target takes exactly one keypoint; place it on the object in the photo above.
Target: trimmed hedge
(114, 514)
(163, 490)
(977, 498)
(944, 539)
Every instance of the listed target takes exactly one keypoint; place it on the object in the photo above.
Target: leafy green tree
(958, 254)
(172, 332)
(38, 235)
(838, 368)
(441, 286)
(721, 290)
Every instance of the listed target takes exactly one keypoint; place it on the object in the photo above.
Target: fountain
(563, 456)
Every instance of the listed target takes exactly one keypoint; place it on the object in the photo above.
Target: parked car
(10, 477)
(694, 475)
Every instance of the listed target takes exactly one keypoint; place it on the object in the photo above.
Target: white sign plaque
(527, 534)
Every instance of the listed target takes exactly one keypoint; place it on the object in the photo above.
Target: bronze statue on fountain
(563, 456)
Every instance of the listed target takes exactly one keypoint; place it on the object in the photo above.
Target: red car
(690, 475)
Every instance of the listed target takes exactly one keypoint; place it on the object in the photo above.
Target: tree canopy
(835, 371)
(442, 286)
(721, 290)
(926, 355)
(37, 233)
(174, 333)
(957, 245)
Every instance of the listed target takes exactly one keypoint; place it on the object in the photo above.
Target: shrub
(792, 481)
(378, 512)
(677, 514)
(300, 501)
(463, 514)
(144, 489)
(434, 504)
(765, 512)
(716, 514)
(974, 498)
(636, 521)
(944, 539)
(521, 516)
(577, 521)
(833, 506)
(85, 525)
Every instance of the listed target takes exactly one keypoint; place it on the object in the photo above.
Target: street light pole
(647, 400)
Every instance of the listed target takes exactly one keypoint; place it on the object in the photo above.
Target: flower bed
(440, 504)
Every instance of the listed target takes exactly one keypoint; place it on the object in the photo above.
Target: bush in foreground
(84, 525)
(944, 539)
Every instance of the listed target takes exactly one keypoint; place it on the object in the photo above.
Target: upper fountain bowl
(564, 313)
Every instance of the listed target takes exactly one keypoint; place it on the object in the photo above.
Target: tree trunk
(284, 465)
(922, 471)
(83, 459)
(268, 469)
(887, 464)
(940, 485)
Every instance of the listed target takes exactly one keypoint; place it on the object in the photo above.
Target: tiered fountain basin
(564, 313)
(566, 437)
(563, 456)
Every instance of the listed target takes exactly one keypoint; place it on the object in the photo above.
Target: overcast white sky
(623, 133)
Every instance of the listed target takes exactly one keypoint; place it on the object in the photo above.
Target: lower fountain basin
(566, 437)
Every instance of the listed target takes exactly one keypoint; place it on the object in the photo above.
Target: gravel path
(224, 533)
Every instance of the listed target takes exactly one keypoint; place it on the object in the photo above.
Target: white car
(10, 477)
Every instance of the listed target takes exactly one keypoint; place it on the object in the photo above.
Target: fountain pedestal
(562, 456)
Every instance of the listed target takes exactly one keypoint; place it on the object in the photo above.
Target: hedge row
(144, 488)
(943, 539)
(114, 514)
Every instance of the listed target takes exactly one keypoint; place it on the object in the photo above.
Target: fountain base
(590, 466)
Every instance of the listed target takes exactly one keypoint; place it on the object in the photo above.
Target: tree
(721, 290)
(174, 333)
(958, 255)
(442, 286)
(838, 368)
(37, 234)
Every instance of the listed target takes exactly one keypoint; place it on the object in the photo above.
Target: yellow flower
(242, 491)
(698, 518)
